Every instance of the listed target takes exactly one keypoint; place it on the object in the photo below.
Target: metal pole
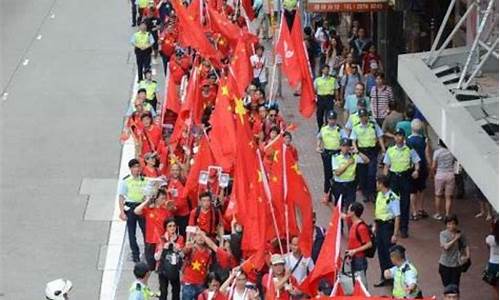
(483, 61)
(441, 29)
(476, 41)
(450, 36)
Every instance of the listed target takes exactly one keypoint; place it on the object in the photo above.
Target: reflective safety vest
(400, 158)
(290, 4)
(366, 135)
(330, 137)
(349, 173)
(142, 3)
(135, 188)
(325, 85)
(150, 88)
(140, 291)
(355, 119)
(382, 211)
(399, 286)
(141, 39)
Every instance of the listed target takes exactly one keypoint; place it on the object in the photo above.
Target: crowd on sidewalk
(215, 186)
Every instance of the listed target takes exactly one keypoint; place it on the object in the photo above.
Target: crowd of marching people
(215, 185)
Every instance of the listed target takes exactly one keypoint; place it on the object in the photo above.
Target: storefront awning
(346, 5)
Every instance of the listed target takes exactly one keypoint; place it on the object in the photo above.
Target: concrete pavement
(67, 93)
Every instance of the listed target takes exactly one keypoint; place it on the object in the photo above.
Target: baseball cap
(345, 142)
(400, 131)
(277, 259)
(451, 289)
(56, 289)
(331, 115)
(363, 112)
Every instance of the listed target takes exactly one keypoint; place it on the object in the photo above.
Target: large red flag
(240, 65)
(299, 202)
(222, 135)
(327, 263)
(191, 34)
(202, 160)
(247, 6)
(223, 26)
(286, 49)
(193, 11)
(307, 98)
(172, 100)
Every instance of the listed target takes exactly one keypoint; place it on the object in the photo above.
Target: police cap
(331, 115)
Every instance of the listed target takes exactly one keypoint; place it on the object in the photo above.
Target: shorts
(419, 184)
(444, 184)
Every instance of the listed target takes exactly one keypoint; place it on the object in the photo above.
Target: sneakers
(437, 217)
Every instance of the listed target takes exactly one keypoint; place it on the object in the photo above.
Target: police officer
(325, 87)
(354, 118)
(151, 87)
(401, 164)
(404, 275)
(141, 6)
(344, 166)
(131, 195)
(142, 41)
(365, 135)
(328, 145)
(139, 289)
(386, 226)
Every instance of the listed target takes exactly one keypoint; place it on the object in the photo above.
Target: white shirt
(240, 296)
(305, 266)
(490, 241)
(259, 67)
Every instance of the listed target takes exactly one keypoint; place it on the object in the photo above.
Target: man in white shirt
(298, 265)
(259, 67)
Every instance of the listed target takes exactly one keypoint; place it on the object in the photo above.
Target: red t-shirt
(225, 259)
(363, 234)
(181, 204)
(153, 133)
(155, 217)
(196, 266)
(268, 286)
(150, 172)
(204, 221)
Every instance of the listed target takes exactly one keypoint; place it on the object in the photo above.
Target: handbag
(490, 278)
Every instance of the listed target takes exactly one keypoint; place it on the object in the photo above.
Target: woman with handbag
(490, 275)
(455, 255)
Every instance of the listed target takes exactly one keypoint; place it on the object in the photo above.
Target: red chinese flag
(222, 25)
(202, 160)
(307, 97)
(172, 98)
(222, 135)
(193, 105)
(192, 34)
(327, 263)
(193, 10)
(248, 191)
(240, 65)
(275, 167)
(286, 49)
(360, 289)
(299, 202)
(247, 6)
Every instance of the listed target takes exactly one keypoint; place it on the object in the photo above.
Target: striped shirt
(380, 98)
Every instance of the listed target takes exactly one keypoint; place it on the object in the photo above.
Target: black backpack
(166, 268)
(370, 252)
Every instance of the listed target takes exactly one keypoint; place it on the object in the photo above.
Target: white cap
(56, 289)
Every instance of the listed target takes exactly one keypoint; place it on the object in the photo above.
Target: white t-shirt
(306, 265)
(259, 67)
(490, 241)
(240, 296)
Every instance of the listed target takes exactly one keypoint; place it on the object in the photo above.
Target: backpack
(166, 267)
(370, 252)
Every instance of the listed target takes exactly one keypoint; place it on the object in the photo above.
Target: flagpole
(268, 196)
(285, 192)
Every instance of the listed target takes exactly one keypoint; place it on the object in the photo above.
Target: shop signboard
(346, 5)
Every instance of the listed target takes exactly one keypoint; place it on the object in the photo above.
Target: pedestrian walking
(328, 145)
(325, 87)
(349, 81)
(131, 195)
(366, 136)
(402, 164)
(443, 164)
(260, 69)
(142, 41)
(454, 251)
(351, 102)
(404, 275)
(491, 273)
(151, 87)
(295, 261)
(386, 226)
(198, 258)
(344, 166)
(380, 96)
(168, 255)
(360, 45)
